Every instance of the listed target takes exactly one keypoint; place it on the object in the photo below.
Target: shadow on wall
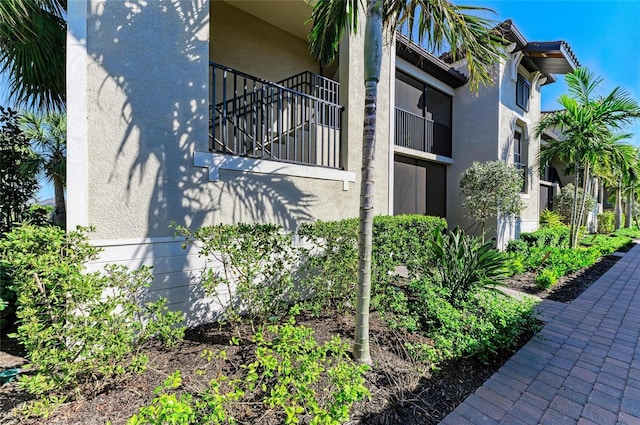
(154, 55)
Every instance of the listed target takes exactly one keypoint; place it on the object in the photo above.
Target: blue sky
(604, 35)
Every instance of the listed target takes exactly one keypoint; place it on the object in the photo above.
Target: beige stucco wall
(147, 111)
(147, 108)
(475, 138)
(251, 45)
(483, 129)
(511, 116)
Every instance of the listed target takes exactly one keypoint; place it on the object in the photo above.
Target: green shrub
(395, 309)
(329, 272)
(403, 240)
(547, 237)
(482, 326)
(78, 329)
(292, 375)
(606, 222)
(249, 269)
(514, 264)
(462, 263)
(519, 246)
(550, 218)
(546, 278)
(563, 203)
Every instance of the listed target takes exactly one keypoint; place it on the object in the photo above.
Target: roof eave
(421, 58)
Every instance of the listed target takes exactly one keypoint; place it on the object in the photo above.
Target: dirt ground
(400, 394)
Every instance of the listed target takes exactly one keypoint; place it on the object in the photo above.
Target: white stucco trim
(135, 241)
(392, 127)
(77, 150)
(423, 155)
(216, 162)
(409, 68)
(515, 63)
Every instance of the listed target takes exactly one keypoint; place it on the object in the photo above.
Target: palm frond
(47, 135)
(330, 19)
(32, 51)
(581, 83)
(439, 23)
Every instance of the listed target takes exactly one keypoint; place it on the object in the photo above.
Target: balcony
(295, 120)
(422, 134)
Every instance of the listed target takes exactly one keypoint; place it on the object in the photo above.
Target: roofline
(511, 32)
(423, 59)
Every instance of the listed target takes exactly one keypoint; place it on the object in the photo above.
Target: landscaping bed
(400, 394)
(569, 287)
(435, 337)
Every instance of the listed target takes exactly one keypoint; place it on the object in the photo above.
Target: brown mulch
(400, 393)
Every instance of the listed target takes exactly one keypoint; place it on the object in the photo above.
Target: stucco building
(204, 112)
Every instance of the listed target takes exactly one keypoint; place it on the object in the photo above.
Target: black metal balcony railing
(419, 133)
(294, 120)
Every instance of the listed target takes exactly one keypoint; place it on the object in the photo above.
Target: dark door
(419, 187)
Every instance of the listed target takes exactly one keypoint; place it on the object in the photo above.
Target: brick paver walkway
(582, 368)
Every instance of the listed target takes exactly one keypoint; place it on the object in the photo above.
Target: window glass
(523, 91)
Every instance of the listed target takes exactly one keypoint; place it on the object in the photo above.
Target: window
(519, 155)
(523, 91)
(517, 148)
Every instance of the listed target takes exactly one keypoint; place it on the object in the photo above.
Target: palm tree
(621, 161)
(587, 124)
(32, 51)
(633, 176)
(436, 22)
(617, 167)
(48, 136)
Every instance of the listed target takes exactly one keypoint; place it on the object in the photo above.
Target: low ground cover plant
(487, 324)
(293, 378)
(78, 329)
(546, 252)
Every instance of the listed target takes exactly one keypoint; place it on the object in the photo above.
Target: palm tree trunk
(618, 207)
(572, 223)
(372, 63)
(629, 209)
(586, 190)
(60, 213)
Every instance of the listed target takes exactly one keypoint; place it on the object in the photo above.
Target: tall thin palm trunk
(372, 63)
(629, 209)
(618, 207)
(574, 213)
(586, 190)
